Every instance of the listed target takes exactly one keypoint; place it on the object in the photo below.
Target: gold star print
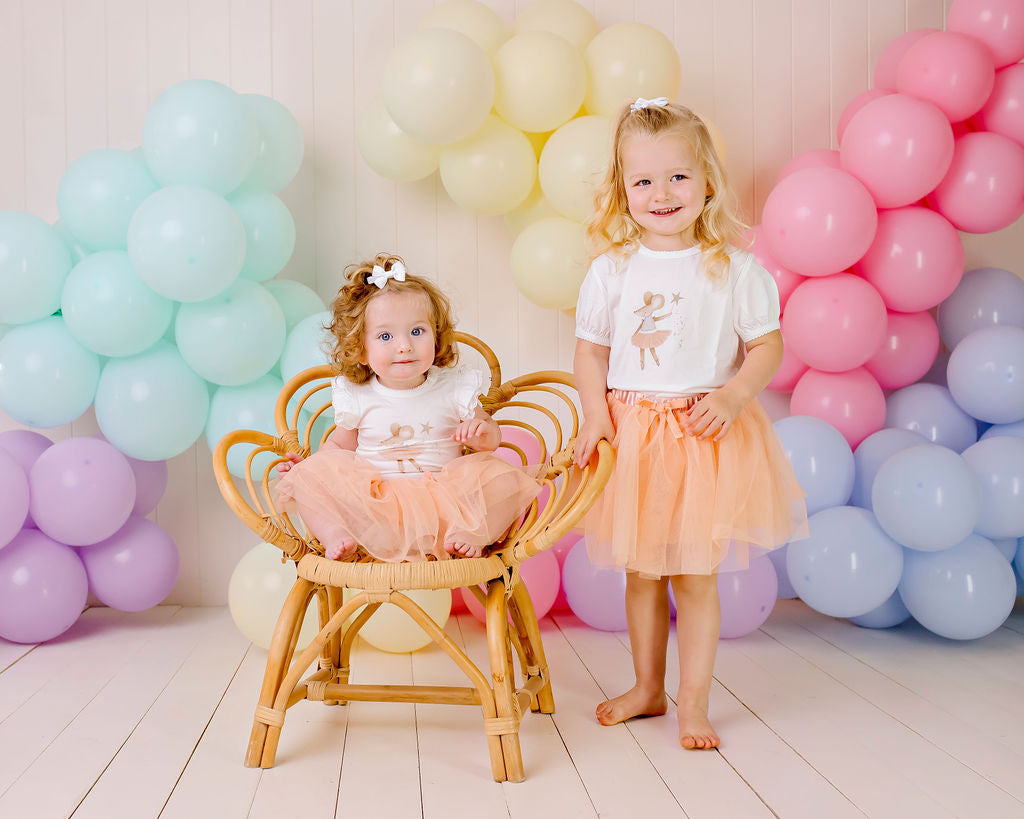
(426, 428)
(676, 298)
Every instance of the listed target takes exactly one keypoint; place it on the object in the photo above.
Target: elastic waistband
(638, 399)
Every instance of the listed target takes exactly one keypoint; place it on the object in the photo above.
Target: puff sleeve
(755, 301)
(593, 307)
(467, 386)
(346, 407)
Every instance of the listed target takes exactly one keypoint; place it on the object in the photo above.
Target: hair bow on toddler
(380, 276)
(661, 102)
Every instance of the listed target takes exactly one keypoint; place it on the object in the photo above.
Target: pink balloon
(818, 221)
(908, 352)
(999, 24)
(899, 147)
(13, 498)
(916, 260)
(852, 402)
(542, 576)
(854, 105)
(834, 323)
(747, 597)
(789, 371)
(819, 158)
(25, 446)
(525, 441)
(887, 69)
(785, 280)
(1004, 111)
(133, 569)
(952, 70)
(983, 190)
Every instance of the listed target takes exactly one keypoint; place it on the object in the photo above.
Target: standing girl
(392, 476)
(699, 471)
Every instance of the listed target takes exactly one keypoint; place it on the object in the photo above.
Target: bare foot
(463, 549)
(637, 702)
(337, 551)
(695, 731)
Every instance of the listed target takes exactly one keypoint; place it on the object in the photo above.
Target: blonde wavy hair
(348, 317)
(613, 229)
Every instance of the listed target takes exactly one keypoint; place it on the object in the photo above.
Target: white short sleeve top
(673, 330)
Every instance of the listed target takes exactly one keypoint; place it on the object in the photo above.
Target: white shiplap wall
(76, 75)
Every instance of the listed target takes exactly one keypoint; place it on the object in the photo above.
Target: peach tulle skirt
(676, 504)
(472, 499)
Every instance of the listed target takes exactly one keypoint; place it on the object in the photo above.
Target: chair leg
(332, 596)
(506, 703)
(282, 647)
(525, 620)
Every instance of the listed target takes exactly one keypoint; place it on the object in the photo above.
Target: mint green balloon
(269, 233)
(46, 377)
(280, 144)
(200, 132)
(98, 194)
(73, 245)
(308, 344)
(233, 338)
(34, 261)
(186, 243)
(296, 299)
(250, 406)
(151, 406)
(109, 309)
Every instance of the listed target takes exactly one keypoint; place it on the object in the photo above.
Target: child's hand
(591, 431)
(293, 459)
(713, 415)
(477, 433)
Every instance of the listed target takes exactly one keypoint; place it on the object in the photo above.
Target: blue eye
(385, 336)
(680, 176)
(642, 182)
(417, 331)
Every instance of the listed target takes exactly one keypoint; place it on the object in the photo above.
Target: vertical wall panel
(45, 112)
(850, 72)
(810, 92)
(85, 67)
(772, 113)
(251, 34)
(127, 92)
(12, 100)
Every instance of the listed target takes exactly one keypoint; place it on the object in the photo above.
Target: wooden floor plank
(10, 653)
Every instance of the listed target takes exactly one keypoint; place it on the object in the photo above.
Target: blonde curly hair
(348, 317)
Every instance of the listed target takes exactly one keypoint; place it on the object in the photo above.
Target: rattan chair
(541, 404)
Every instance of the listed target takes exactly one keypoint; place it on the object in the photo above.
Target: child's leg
(698, 619)
(647, 616)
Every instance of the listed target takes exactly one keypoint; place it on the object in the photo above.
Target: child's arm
(714, 413)
(590, 365)
(481, 432)
(339, 439)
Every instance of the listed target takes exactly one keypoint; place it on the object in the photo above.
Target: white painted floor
(148, 714)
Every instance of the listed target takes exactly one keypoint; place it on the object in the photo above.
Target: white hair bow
(380, 276)
(642, 103)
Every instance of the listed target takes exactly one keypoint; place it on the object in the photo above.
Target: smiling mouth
(664, 211)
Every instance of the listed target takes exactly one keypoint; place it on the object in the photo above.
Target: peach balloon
(953, 71)
(562, 17)
(908, 351)
(492, 172)
(1003, 113)
(626, 61)
(852, 402)
(854, 105)
(540, 80)
(889, 62)
(999, 24)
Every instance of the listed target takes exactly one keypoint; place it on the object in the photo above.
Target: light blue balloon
(233, 338)
(46, 377)
(891, 613)
(151, 406)
(874, 451)
(821, 459)
(986, 374)
(98, 194)
(937, 372)
(778, 558)
(34, 261)
(296, 299)
(963, 592)
(269, 233)
(109, 309)
(848, 566)
(250, 406)
(926, 497)
(1007, 547)
(201, 133)
(280, 144)
(186, 243)
(931, 411)
(985, 297)
(998, 464)
(1018, 560)
(1016, 429)
(308, 345)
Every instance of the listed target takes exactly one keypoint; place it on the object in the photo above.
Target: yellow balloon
(438, 86)
(391, 629)
(626, 61)
(549, 261)
(491, 172)
(534, 208)
(539, 81)
(573, 164)
(562, 17)
(478, 22)
(257, 590)
(390, 151)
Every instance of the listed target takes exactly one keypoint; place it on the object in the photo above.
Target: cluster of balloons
(517, 122)
(153, 291)
(863, 241)
(72, 522)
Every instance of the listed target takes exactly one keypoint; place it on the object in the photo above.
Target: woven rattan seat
(540, 404)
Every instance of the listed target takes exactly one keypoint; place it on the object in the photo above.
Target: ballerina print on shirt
(647, 335)
(401, 447)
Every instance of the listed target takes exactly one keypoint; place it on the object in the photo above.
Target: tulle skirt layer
(677, 504)
(472, 499)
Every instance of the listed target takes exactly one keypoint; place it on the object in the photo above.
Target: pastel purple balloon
(150, 484)
(82, 491)
(747, 598)
(43, 588)
(13, 498)
(985, 297)
(25, 446)
(596, 595)
(135, 568)
(778, 558)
